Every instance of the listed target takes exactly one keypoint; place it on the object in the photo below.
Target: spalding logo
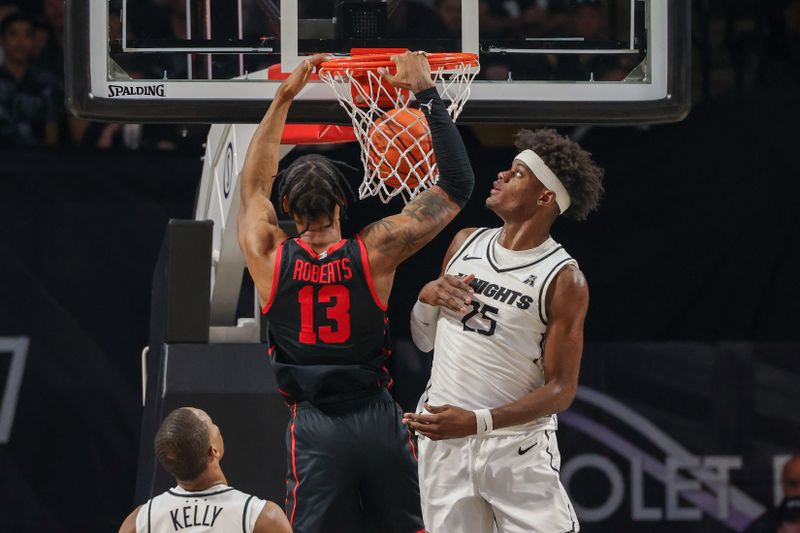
(136, 90)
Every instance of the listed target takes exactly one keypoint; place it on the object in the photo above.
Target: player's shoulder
(570, 283)
(271, 519)
(463, 235)
(271, 510)
(461, 238)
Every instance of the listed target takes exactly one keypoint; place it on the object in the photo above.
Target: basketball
(400, 148)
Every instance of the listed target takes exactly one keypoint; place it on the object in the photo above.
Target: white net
(396, 147)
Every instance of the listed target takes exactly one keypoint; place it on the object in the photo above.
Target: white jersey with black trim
(219, 509)
(492, 354)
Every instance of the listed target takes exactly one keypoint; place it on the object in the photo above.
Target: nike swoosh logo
(471, 257)
(485, 426)
(522, 451)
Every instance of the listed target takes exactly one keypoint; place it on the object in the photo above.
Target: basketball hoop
(317, 134)
(396, 148)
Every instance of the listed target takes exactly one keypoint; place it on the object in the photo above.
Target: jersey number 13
(336, 299)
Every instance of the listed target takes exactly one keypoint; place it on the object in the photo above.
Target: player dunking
(506, 324)
(351, 460)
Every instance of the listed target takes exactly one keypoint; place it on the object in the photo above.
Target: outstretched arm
(393, 239)
(567, 303)
(259, 234)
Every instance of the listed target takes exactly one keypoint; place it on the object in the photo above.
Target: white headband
(546, 176)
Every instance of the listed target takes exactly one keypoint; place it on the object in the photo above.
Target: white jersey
(492, 355)
(219, 509)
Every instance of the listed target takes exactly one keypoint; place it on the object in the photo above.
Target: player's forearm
(555, 396)
(263, 154)
(455, 172)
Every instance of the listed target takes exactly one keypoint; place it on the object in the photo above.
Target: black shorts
(351, 469)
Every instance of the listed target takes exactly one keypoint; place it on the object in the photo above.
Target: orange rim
(368, 62)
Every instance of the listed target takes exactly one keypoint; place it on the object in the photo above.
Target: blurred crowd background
(32, 93)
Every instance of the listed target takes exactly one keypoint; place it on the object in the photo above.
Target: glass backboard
(554, 61)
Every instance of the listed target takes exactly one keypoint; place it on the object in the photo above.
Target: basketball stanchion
(395, 140)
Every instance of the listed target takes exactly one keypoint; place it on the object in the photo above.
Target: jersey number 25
(485, 311)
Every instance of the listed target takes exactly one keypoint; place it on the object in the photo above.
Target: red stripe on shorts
(294, 469)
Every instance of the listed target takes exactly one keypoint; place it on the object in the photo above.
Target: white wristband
(485, 422)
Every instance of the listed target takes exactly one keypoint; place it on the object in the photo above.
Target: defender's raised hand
(413, 72)
(452, 292)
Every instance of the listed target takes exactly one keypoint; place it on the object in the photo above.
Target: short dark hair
(313, 186)
(182, 444)
(13, 18)
(572, 164)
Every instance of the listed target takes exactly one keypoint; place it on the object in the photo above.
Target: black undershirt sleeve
(455, 172)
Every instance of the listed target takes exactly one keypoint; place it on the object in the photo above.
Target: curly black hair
(572, 164)
(313, 186)
(182, 443)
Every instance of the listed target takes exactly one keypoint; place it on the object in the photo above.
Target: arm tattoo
(382, 228)
(428, 207)
(428, 213)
